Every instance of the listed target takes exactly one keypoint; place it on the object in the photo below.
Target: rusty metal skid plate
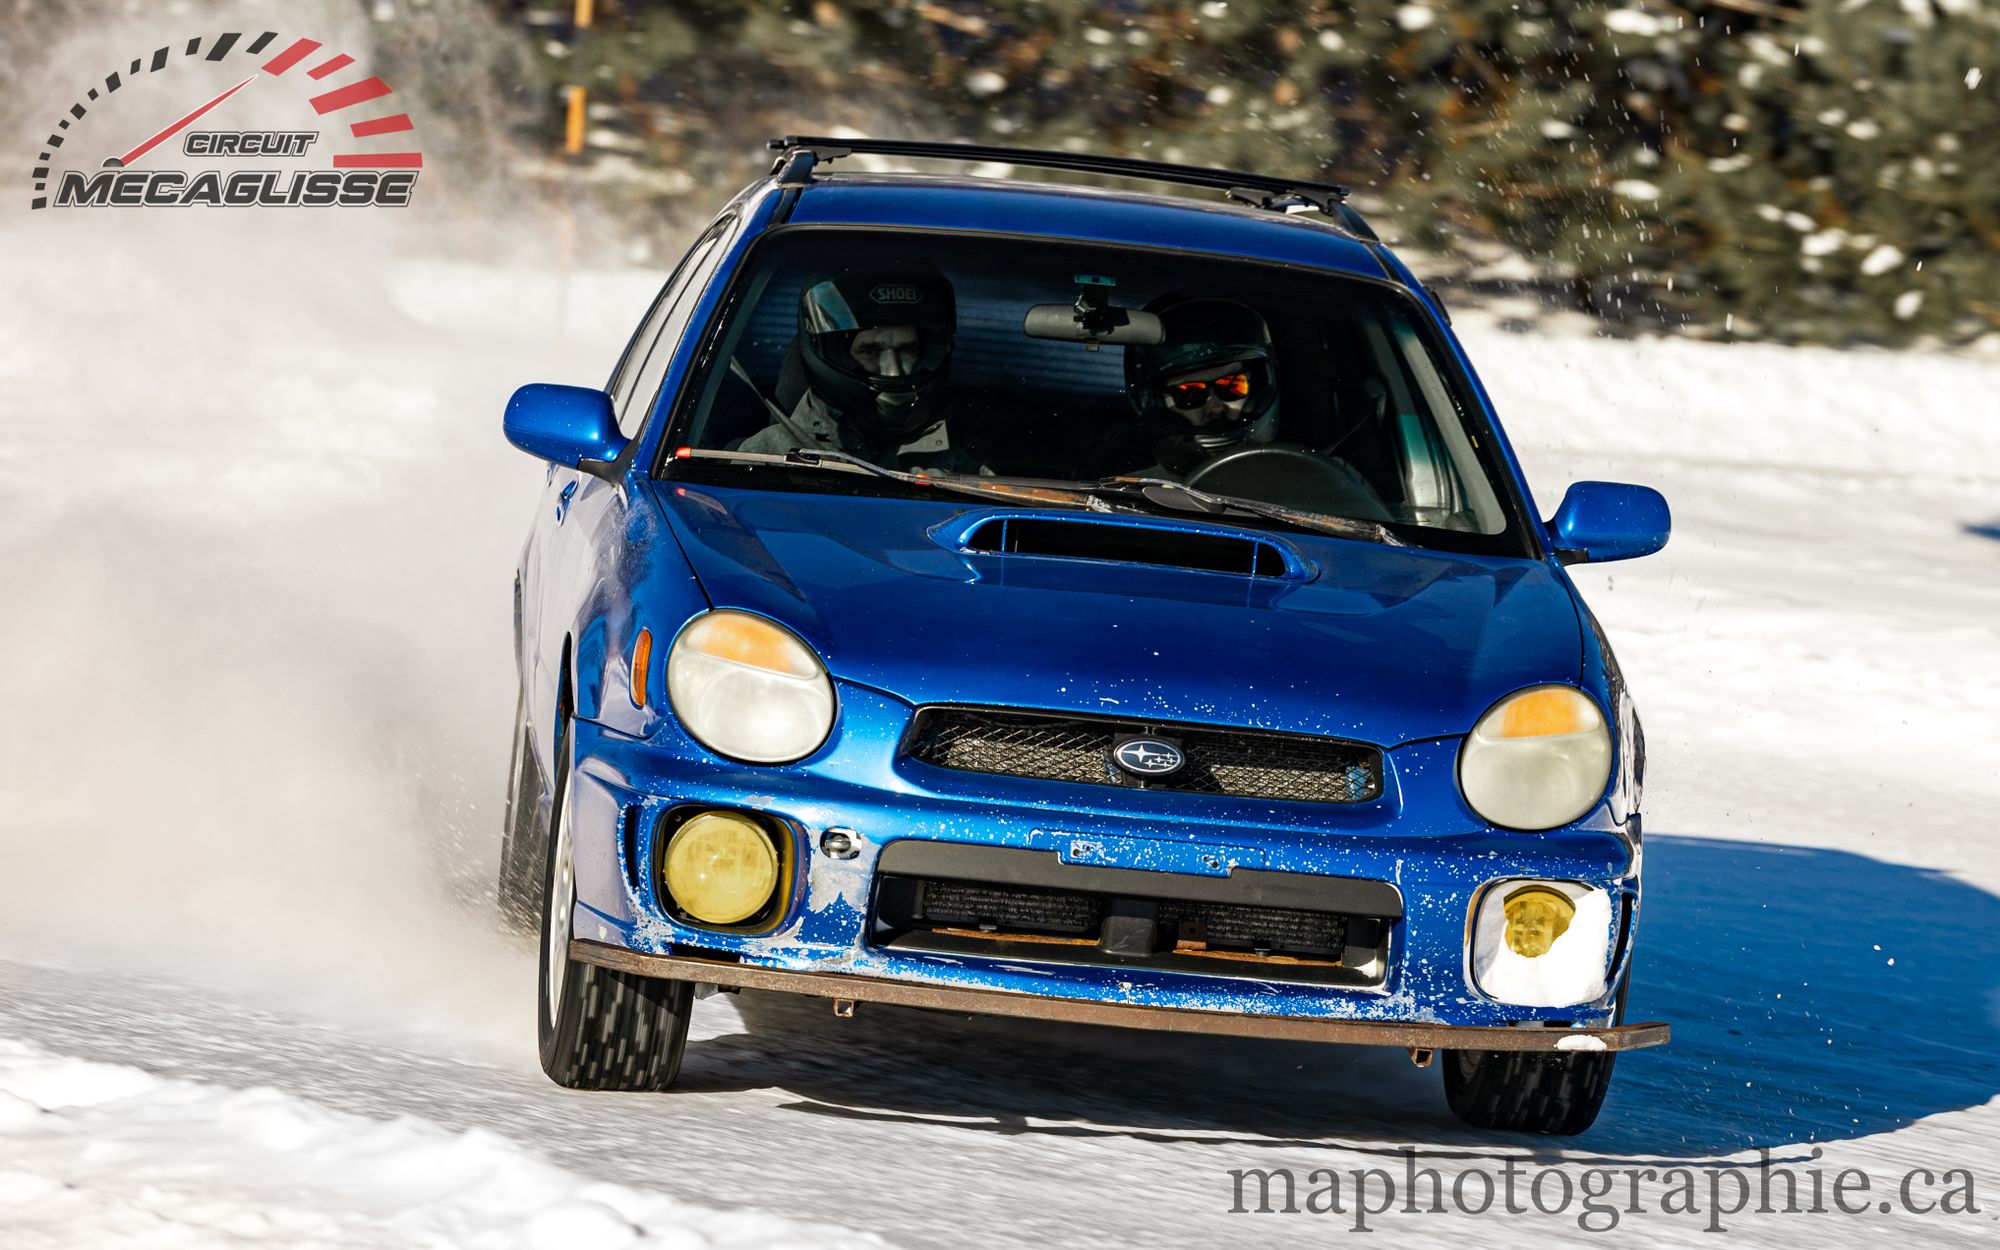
(1118, 1015)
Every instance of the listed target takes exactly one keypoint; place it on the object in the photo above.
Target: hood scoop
(1157, 541)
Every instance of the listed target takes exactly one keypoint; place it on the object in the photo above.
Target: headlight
(749, 689)
(721, 868)
(1539, 758)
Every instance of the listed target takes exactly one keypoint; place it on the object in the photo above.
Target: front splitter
(848, 988)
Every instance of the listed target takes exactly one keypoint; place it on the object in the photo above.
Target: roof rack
(798, 154)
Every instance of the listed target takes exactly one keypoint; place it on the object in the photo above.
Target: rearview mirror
(1092, 322)
(1601, 521)
(566, 424)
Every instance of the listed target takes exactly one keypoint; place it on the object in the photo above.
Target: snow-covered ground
(257, 535)
(106, 1154)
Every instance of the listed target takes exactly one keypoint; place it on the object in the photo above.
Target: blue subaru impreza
(1083, 604)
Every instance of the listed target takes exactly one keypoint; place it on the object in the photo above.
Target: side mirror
(1609, 521)
(566, 424)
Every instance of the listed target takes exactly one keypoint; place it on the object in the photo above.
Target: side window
(646, 364)
(634, 354)
(1444, 466)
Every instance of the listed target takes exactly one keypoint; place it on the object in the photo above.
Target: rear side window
(645, 364)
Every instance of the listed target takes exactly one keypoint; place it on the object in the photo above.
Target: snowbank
(97, 1155)
(1792, 410)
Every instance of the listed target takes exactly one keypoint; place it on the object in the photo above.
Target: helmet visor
(1230, 388)
(1231, 391)
(879, 328)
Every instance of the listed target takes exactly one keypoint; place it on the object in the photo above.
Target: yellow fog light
(721, 868)
(1536, 917)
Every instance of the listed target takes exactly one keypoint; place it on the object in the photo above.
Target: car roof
(1052, 210)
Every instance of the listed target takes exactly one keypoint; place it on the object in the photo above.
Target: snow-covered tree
(1823, 169)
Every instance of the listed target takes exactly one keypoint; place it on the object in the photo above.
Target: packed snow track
(258, 542)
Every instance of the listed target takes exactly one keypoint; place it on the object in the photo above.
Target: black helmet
(833, 310)
(1199, 333)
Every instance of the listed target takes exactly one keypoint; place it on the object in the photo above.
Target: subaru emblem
(1147, 757)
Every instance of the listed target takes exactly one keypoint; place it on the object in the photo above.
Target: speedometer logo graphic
(226, 122)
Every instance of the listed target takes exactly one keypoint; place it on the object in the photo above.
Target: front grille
(996, 907)
(1176, 924)
(1240, 763)
(1226, 926)
(1042, 924)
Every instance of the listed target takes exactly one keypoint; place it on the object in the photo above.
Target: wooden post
(576, 100)
(573, 125)
(576, 96)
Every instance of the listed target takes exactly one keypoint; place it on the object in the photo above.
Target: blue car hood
(1384, 644)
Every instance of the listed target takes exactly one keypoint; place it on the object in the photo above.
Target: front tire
(599, 1029)
(1532, 1091)
(521, 853)
(1526, 1091)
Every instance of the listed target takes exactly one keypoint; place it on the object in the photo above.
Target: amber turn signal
(1545, 713)
(642, 663)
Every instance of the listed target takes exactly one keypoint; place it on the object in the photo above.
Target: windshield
(1002, 357)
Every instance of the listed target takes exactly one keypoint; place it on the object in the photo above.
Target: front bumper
(846, 988)
(1417, 838)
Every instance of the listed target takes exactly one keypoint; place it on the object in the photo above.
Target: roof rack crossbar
(827, 149)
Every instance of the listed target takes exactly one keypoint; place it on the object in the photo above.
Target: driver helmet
(876, 345)
(1209, 385)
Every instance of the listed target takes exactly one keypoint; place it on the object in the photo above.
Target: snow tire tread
(632, 1035)
(609, 1030)
(1525, 1091)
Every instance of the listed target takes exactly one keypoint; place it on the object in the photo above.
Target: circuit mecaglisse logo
(132, 141)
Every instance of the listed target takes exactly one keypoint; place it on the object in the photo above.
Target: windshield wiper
(1158, 491)
(964, 484)
(1167, 493)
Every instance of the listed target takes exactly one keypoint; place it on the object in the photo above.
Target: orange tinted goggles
(1229, 388)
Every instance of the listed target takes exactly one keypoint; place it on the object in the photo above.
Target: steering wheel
(1293, 478)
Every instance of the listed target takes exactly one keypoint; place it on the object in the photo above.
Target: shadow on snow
(1790, 1028)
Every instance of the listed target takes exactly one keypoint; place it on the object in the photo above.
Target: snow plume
(258, 544)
